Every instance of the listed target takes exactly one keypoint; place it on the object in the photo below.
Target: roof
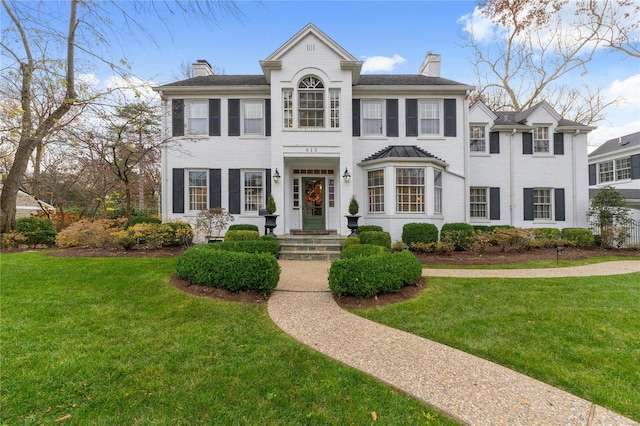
(401, 151)
(628, 194)
(519, 119)
(617, 144)
(221, 80)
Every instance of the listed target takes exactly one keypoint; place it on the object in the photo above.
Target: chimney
(202, 68)
(431, 65)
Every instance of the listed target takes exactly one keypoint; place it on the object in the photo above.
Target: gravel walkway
(472, 390)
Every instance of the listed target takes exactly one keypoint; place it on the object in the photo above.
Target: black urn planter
(352, 223)
(270, 223)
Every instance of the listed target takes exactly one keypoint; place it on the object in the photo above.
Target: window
(437, 191)
(253, 194)
(623, 168)
(542, 204)
(372, 118)
(198, 190)
(409, 190)
(478, 203)
(478, 138)
(197, 117)
(253, 116)
(287, 109)
(334, 99)
(541, 140)
(311, 102)
(429, 115)
(375, 188)
(605, 170)
(296, 193)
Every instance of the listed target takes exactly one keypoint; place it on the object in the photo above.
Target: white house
(313, 131)
(616, 163)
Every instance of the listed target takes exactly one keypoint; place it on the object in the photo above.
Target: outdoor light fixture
(346, 175)
(276, 176)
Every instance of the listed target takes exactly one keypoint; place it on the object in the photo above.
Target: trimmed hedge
(419, 233)
(350, 241)
(368, 228)
(546, 233)
(490, 228)
(244, 227)
(459, 234)
(355, 250)
(241, 235)
(36, 230)
(229, 270)
(261, 245)
(145, 219)
(581, 237)
(366, 276)
(377, 238)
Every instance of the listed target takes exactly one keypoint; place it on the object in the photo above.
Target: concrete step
(310, 247)
(288, 255)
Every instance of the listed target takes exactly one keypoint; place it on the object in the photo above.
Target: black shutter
(450, 122)
(527, 143)
(559, 203)
(214, 117)
(558, 143)
(178, 190)
(494, 142)
(593, 174)
(392, 118)
(267, 117)
(234, 117)
(215, 188)
(494, 203)
(177, 117)
(528, 203)
(267, 184)
(411, 111)
(234, 191)
(355, 116)
(635, 166)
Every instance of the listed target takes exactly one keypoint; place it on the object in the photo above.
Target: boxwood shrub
(546, 233)
(145, 219)
(581, 237)
(232, 271)
(262, 245)
(243, 227)
(350, 241)
(368, 228)
(355, 250)
(419, 233)
(36, 230)
(377, 238)
(459, 234)
(241, 235)
(366, 276)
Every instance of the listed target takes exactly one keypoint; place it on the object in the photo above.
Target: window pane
(410, 190)
(437, 192)
(197, 190)
(623, 168)
(542, 204)
(541, 139)
(335, 108)
(252, 191)
(478, 203)
(375, 183)
(478, 141)
(605, 170)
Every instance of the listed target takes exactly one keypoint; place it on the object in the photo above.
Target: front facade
(313, 131)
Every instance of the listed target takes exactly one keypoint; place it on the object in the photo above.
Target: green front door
(313, 211)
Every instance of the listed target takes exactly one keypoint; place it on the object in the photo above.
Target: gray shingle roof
(612, 145)
(628, 194)
(221, 80)
(401, 151)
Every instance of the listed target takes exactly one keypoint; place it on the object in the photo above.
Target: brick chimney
(202, 68)
(431, 65)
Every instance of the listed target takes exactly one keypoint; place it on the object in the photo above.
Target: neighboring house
(313, 131)
(27, 205)
(616, 163)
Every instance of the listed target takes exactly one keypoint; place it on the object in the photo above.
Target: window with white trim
(410, 189)
(478, 139)
(372, 117)
(542, 204)
(429, 118)
(253, 191)
(375, 189)
(287, 109)
(253, 117)
(605, 171)
(334, 107)
(478, 203)
(197, 117)
(198, 190)
(541, 140)
(437, 191)
(623, 168)
(311, 102)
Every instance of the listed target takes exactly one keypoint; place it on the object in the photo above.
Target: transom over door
(313, 211)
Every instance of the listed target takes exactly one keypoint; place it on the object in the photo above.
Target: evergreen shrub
(349, 241)
(241, 235)
(419, 233)
(356, 250)
(581, 237)
(244, 227)
(261, 245)
(145, 219)
(377, 238)
(460, 235)
(36, 230)
(368, 228)
(546, 233)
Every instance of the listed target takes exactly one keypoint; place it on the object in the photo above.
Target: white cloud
(132, 88)
(382, 63)
(605, 133)
(627, 90)
(479, 26)
(88, 79)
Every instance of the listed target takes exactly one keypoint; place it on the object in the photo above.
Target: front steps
(310, 247)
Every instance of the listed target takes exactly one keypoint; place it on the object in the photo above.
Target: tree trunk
(12, 185)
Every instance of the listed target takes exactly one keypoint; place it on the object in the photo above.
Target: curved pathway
(465, 387)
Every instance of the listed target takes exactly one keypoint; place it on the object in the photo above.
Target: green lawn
(110, 341)
(579, 334)
(534, 264)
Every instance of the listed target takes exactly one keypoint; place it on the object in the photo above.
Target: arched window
(311, 102)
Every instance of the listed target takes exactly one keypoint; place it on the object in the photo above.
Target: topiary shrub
(377, 238)
(419, 233)
(228, 270)
(261, 245)
(460, 235)
(350, 241)
(241, 235)
(244, 227)
(581, 237)
(366, 276)
(356, 250)
(368, 228)
(36, 230)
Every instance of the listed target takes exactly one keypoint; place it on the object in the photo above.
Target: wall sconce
(276, 176)
(346, 175)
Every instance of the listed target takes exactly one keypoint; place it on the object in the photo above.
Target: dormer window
(311, 102)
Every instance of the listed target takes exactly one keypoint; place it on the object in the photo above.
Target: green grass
(110, 341)
(535, 264)
(578, 334)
